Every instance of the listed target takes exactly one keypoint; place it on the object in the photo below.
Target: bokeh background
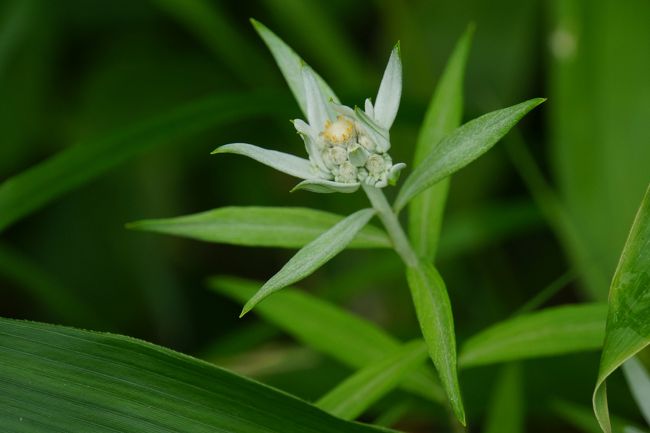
(552, 204)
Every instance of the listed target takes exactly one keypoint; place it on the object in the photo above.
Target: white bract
(346, 147)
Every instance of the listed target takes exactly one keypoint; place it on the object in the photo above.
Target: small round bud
(339, 132)
(347, 173)
(366, 143)
(376, 165)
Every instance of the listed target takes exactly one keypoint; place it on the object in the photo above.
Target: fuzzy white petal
(390, 91)
(284, 162)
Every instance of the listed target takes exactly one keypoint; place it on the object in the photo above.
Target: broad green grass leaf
(353, 396)
(284, 162)
(37, 186)
(313, 255)
(284, 227)
(328, 329)
(443, 116)
(461, 147)
(437, 323)
(57, 379)
(639, 382)
(548, 332)
(291, 66)
(506, 410)
(628, 326)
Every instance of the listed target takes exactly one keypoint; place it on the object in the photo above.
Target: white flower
(346, 146)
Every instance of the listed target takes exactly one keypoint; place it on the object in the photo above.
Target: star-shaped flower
(346, 147)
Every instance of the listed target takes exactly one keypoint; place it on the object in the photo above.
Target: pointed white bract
(346, 147)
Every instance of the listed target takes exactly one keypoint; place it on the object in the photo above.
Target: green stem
(391, 223)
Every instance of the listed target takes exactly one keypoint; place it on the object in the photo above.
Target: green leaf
(390, 91)
(549, 332)
(461, 147)
(62, 379)
(313, 255)
(284, 162)
(506, 411)
(639, 382)
(328, 329)
(628, 327)
(291, 66)
(284, 227)
(582, 418)
(443, 116)
(37, 186)
(437, 323)
(357, 393)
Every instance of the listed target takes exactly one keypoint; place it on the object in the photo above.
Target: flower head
(346, 147)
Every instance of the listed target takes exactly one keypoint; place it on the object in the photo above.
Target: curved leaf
(461, 147)
(639, 382)
(313, 255)
(329, 329)
(443, 116)
(62, 379)
(285, 227)
(433, 309)
(35, 187)
(353, 396)
(284, 162)
(628, 327)
(549, 332)
(326, 186)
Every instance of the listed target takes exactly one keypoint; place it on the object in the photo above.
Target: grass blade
(284, 227)
(437, 324)
(328, 329)
(313, 255)
(37, 186)
(639, 382)
(443, 116)
(506, 410)
(628, 327)
(353, 396)
(461, 147)
(62, 379)
(548, 332)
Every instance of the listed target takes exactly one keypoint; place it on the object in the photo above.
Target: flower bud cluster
(351, 156)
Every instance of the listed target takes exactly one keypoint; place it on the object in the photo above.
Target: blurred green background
(555, 200)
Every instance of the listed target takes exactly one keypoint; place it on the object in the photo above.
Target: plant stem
(388, 217)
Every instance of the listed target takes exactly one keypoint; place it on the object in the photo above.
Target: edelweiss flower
(346, 147)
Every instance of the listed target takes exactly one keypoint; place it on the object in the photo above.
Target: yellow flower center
(338, 132)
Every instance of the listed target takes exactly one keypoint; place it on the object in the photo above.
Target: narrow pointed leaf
(549, 332)
(628, 327)
(357, 393)
(461, 147)
(57, 379)
(326, 186)
(329, 329)
(434, 313)
(313, 255)
(291, 66)
(639, 382)
(44, 182)
(506, 411)
(284, 227)
(390, 91)
(443, 116)
(319, 109)
(284, 162)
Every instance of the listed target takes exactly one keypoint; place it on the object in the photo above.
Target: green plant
(57, 378)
